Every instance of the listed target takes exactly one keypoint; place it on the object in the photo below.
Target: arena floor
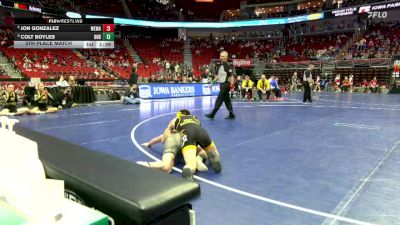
(333, 162)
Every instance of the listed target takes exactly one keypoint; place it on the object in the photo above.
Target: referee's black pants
(223, 96)
(307, 92)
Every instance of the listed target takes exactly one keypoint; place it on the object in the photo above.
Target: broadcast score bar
(64, 33)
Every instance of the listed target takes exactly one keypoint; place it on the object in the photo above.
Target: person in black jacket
(134, 76)
(225, 78)
(67, 100)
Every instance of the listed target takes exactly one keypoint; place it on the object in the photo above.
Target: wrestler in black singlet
(41, 100)
(192, 132)
(10, 101)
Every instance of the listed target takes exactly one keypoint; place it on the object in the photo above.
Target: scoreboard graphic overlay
(64, 33)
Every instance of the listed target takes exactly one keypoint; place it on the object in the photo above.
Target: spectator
(132, 96)
(134, 76)
(62, 82)
(71, 81)
(263, 88)
(273, 81)
(351, 77)
(307, 78)
(365, 86)
(337, 83)
(374, 85)
(346, 84)
(318, 84)
(325, 84)
(247, 88)
(67, 99)
(293, 86)
(41, 99)
(237, 87)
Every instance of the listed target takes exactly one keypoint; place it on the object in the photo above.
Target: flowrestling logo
(364, 9)
(377, 15)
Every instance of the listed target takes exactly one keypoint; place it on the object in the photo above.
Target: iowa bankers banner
(150, 91)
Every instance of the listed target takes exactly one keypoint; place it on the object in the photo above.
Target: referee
(224, 77)
(307, 77)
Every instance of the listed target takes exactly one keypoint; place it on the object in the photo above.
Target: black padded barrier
(127, 192)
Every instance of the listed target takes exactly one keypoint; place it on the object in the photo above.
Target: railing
(348, 44)
(384, 62)
(355, 63)
(296, 33)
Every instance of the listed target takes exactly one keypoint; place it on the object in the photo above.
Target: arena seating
(54, 70)
(60, 62)
(153, 10)
(147, 48)
(172, 50)
(103, 7)
(150, 49)
(323, 45)
(379, 41)
(203, 50)
(3, 73)
(202, 53)
(118, 60)
(57, 4)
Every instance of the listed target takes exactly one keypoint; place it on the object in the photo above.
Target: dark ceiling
(211, 10)
(214, 9)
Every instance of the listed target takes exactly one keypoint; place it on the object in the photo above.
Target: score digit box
(108, 36)
(108, 27)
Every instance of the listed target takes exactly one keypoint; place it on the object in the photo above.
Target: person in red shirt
(337, 83)
(364, 86)
(374, 85)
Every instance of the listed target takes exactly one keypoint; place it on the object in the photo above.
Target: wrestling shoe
(215, 161)
(230, 117)
(187, 173)
(211, 116)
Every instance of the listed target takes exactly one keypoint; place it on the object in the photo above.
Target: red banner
(242, 63)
